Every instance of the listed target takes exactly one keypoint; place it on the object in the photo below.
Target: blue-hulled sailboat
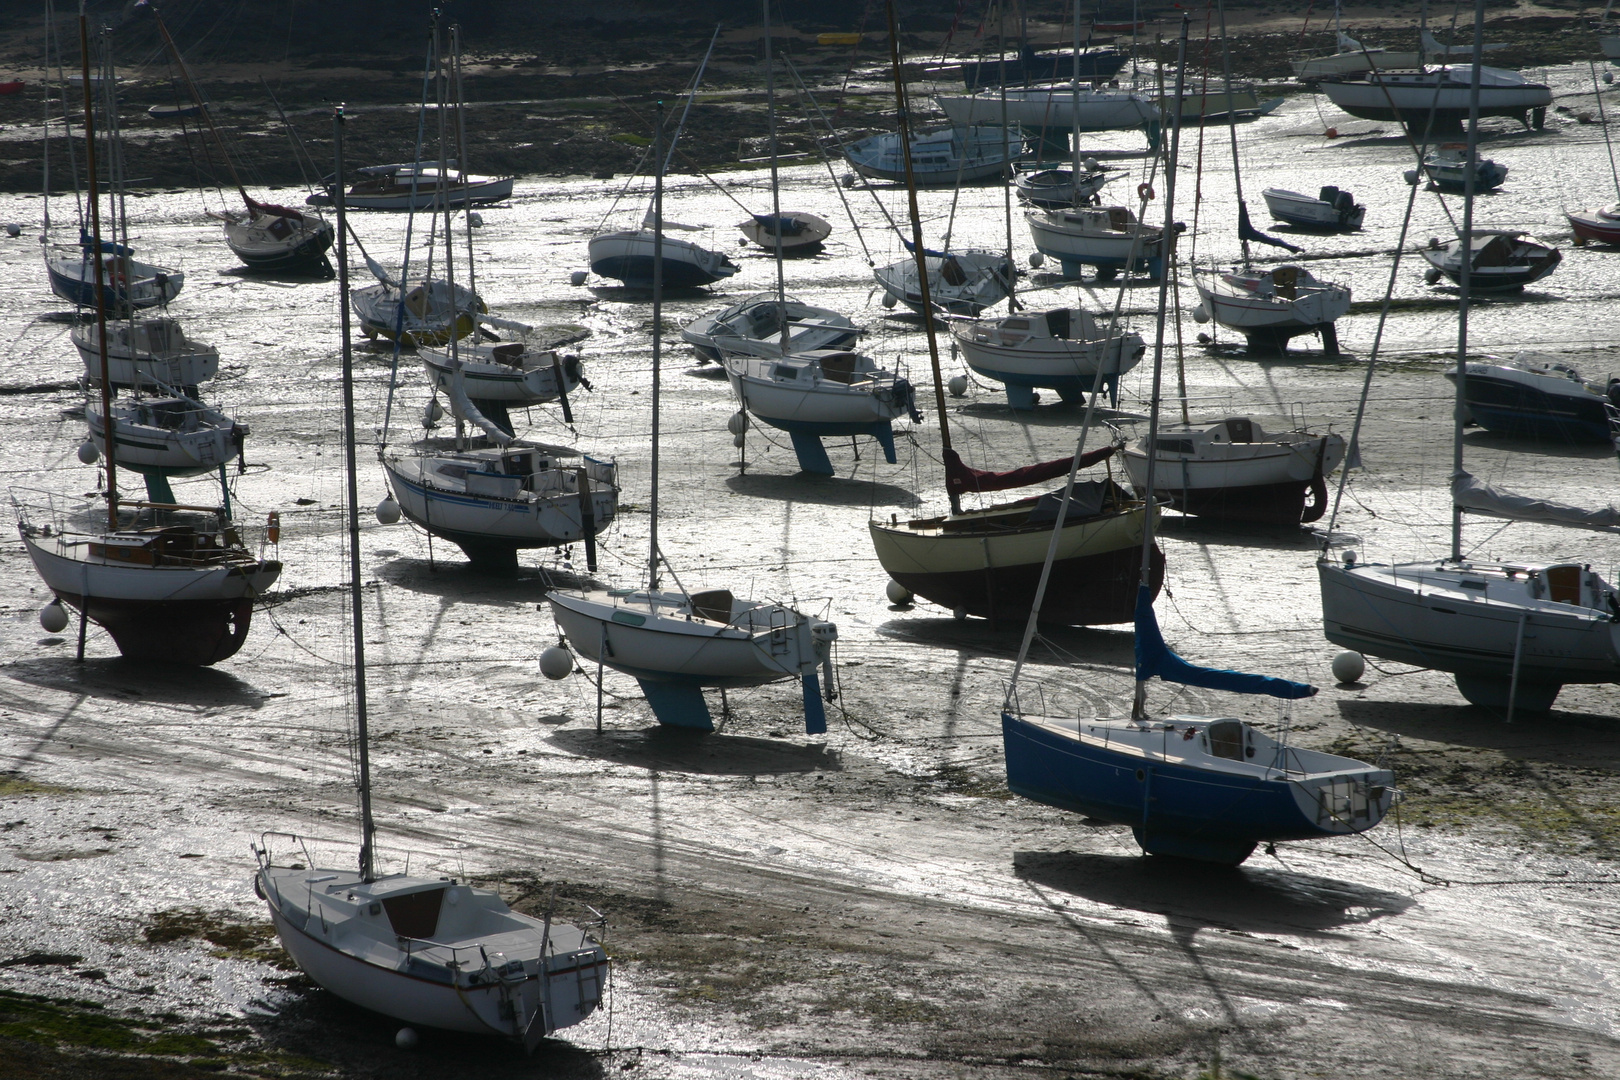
(1195, 787)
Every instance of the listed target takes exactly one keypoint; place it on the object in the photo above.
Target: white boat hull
(963, 282)
(160, 356)
(628, 257)
(1054, 107)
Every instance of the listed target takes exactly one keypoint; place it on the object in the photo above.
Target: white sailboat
(1511, 633)
(1108, 238)
(1060, 349)
(960, 282)
(172, 435)
(421, 949)
(264, 236)
(755, 326)
(1235, 470)
(1269, 307)
(1205, 788)
(170, 583)
(949, 155)
(144, 352)
(676, 643)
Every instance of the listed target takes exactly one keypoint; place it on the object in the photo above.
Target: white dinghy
(420, 949)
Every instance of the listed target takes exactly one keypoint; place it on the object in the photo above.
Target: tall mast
(658, 333)
(356, 618)
(1139, 701)
(1465, 244)
(917, 244)
(1231, 120)
(107, 433)
(776, 195)
(1074, 133)
(196, 96)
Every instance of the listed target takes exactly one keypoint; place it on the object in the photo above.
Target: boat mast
(1231, 123)
(356, 618)
(1465, 251)
(107, 433)
(202, 106)
(917, 244)
(776, 195)
(658, 332)
(1074, 85)
(441, 78)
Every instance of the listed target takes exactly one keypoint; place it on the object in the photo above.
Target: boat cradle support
(682, 704)
(813, 456)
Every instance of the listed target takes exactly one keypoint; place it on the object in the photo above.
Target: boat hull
(1412, 100)
(1512, 408)
(304, 252)
(628, 257)
(1076, 250)
(1177, 808)
(995, 577)
(1375, 610)
(176, 615)
(1595, 226)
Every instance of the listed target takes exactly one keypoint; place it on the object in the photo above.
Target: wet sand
(871, 902)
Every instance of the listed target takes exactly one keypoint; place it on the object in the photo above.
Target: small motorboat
(1501, 260)
(1538, 397)
(801, 233)
(1332, 210)
(1235, 470)
(1447, 169)
(754, 327)
(1596, 226)
(1058, 189)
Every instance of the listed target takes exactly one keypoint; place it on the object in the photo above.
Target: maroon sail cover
(276, 211)
(960, 477)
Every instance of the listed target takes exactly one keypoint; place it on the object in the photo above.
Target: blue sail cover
(1153, 657)
(88, 242)
(1247, 231)
(930, 252)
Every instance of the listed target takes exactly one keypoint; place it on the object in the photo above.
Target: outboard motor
(1330, 195)
(1344, 202)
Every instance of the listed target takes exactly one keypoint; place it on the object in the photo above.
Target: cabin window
(1564, 584)
(1226, 740)
(414, 915)
(1175, 446)
(784, 371)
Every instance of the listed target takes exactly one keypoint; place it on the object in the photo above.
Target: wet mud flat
(870, 902)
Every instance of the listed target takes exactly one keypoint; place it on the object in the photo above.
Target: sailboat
(1268, 306)
(169, 582)
(99, 270)
(1060, 349)
(144, 352)
(757, 324)
(676, 643)
(987, 562)
(811, 394)
(1206, 788)
(435, 311)
(1511, 633)
(628, 255)
(263, 235)
(497, 495)
(422, 949)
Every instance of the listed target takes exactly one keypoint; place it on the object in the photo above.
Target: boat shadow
(276, 277)
(453, 578)
(1051, 411)
(630, 294)
(818, 490)
(1253, 534)
(146, 681)
(1575, 739)
(1093, 645)
(1496, 440)
(686, 750)
(309, 1022)
(1194, 896)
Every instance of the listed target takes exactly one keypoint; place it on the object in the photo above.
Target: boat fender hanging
(1200, 314)
(556, 663)
(53, 617)
(88, 452)
(737, 423)
(1144, 190)
(272, 528)
(1037, 260)
(958, 386)
(388, 511)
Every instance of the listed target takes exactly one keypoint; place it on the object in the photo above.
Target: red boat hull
(1600, 234)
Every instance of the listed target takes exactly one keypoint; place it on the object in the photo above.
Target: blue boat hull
(1174, 809)
(1509, 408)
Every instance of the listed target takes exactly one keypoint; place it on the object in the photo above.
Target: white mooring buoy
(556, 662)
(53, 617)
(388, 511)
